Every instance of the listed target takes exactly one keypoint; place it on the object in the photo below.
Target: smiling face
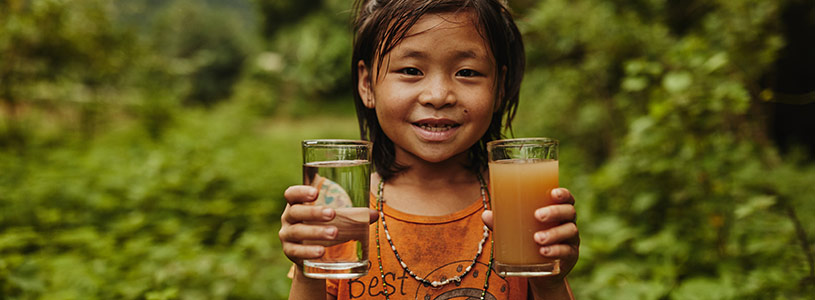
(434, 93)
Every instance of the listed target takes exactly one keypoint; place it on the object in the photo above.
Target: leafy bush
(193, 215)
(681, 193)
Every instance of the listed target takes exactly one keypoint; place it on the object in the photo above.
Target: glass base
(337, 270)
(536, 270)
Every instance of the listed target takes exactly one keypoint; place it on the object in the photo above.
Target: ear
(364, 85)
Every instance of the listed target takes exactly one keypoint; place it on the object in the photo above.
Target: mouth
(436, 130)
(436, 127)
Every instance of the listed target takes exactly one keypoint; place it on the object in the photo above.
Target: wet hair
(379, 25)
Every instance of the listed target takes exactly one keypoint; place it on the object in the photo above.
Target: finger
(299, 252)
(486, 217)
(297, 194)
(308, 213)
(556, 213)
(374, 215)
(302, 232)
(566, 232)
(562, 251)
(562, 195)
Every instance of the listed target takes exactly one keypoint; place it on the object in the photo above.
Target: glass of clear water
(341, 171)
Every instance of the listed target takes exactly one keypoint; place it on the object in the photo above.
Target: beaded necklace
(457, 278)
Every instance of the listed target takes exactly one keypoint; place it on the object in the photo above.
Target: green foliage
(277, 14)
(56, 53)
(193, 215)
(681, 195)
(200, 47)
(317, 54)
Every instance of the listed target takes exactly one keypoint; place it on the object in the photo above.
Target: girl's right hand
(293, 227)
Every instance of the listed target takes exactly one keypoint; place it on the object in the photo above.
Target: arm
(544, 290)
(303, 287)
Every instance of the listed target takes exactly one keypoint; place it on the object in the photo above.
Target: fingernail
(330, 232)
(327, 212)
(559, 194)
(546, 250)
(541, 237)
(312, 194)
(543, 214)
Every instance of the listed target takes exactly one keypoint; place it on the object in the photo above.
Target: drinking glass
(523, 173)
(341, 171)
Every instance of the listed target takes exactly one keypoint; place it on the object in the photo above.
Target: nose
(438, 92)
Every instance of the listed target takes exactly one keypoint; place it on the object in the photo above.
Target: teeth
(435, 128)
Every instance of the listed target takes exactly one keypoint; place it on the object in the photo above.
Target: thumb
(486, 217)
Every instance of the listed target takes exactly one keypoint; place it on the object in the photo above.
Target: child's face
(435, 92)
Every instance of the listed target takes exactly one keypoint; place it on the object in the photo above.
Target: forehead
(444, 21)
(457, 31)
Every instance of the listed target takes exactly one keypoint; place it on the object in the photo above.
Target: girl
(434, 81)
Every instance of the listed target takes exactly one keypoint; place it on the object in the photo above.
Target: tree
(201, 48)
(57, 52)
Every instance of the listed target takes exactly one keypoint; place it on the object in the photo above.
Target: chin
(441, 155)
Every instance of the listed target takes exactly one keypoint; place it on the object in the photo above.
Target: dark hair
(379, 25)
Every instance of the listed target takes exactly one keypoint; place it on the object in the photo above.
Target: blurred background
(145, 144)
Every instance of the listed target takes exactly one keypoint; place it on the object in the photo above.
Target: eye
(468, 73)
(410, 71)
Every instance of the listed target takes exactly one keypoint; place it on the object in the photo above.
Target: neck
(428, 188)
(432, 175)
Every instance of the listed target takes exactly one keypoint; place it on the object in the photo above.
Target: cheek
(390, 117)
(392, 105)
(480, 119)
(386, 110)
(485, 119)
(482, 114)
(482, 109)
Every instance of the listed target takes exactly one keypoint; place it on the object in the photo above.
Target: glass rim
(335, 142)
(517, 141)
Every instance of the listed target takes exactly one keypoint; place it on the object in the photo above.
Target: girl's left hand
(559, 242)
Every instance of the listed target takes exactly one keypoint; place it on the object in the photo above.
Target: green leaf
(635, 84)
(754, 204)
(677, 81)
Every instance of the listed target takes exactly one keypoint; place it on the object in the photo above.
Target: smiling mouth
(436, 127)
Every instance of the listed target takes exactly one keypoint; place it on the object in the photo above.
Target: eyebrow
(421, 54)
(413, 54)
